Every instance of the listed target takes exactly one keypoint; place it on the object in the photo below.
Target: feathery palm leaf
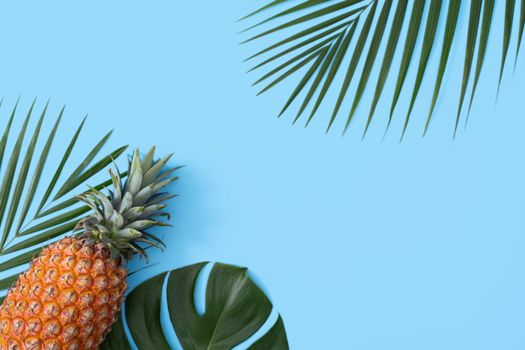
(30, 218)
(321, 41)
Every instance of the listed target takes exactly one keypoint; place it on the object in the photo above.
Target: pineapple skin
(68, 299)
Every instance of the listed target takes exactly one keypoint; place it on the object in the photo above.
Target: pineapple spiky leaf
(120, 221)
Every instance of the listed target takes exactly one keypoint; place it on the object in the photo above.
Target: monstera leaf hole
(201, 306)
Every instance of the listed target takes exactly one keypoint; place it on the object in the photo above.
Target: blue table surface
(361, 244)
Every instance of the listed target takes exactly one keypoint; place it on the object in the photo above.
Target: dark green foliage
(30, 219)
(235, 309)
(324, 33)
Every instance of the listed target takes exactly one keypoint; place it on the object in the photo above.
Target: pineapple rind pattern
(68, 299)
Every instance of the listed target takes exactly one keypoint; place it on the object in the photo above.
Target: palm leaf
(352, 66)
(509, 17)
(327, 62)
(473, 24)
(388, 57)
(29, 218)
(428, 41)
(370, 58)
(319, 34)
(416, 16)
(334, 67)
(450, 30)
(486, 23)
(521, 27)
(236, 311)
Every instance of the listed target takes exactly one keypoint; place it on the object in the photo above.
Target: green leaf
(9, 175)
(38, 170)
(475, 13)
(71, 201)
(60, 167)
(42, 237)
(333, 69)
(327, 62)
(307, 53)
(428, 43)
(397, 24)
(72, 180)
(486, 22)
(95, 169)
(20, 198)
(303, 44)
(370, 58)
(7, 282)
(322, 54)
(274, 339)
(273, 3)
(450, 30)
(315, 14)
(311, 26)
(521, 27)
(302, 6)
(235, 309)
(307, 32)
(295, 68)
(353, 62)
(5, 136)
(22, 177)
(509, 17)
(19, 259)
(413, 32)
(55, 220)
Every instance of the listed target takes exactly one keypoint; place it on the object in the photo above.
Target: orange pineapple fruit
(72, 292)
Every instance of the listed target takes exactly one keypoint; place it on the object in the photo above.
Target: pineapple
(71, 294)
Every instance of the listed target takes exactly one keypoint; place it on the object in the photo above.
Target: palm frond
(32, 211)
(321, 40)
(450, 29)
(486, 23)
(509, 18)
(521, 27)
(473, 24)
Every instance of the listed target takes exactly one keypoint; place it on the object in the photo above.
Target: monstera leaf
(235, 310)
(330, 38)
(36, 209)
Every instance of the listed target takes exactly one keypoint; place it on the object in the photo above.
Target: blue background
(362, 244)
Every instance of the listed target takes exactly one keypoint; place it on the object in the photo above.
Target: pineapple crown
(120, 221)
